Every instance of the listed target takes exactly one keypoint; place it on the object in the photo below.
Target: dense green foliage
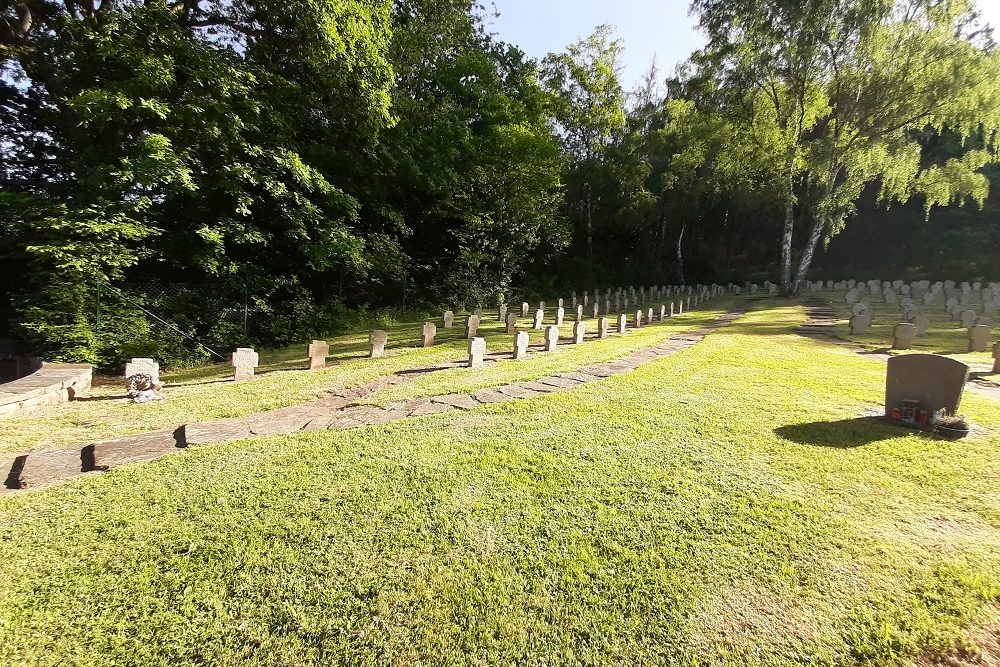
(250, 171)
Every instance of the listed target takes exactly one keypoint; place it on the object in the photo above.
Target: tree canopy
(177, 176)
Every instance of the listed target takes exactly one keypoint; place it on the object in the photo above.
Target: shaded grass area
(723, 505)
(208, 392)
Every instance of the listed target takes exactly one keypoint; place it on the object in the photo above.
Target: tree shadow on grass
(843, 433)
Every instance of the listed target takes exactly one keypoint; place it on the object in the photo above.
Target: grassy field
(727, 505)
(207, 392)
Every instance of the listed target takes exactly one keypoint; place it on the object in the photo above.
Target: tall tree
(849, 85)
(589, 112)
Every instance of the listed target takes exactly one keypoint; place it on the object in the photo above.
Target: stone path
(332, 411)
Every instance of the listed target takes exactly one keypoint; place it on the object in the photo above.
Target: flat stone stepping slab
(331, 411)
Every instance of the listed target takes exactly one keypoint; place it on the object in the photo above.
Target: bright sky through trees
(647, 27)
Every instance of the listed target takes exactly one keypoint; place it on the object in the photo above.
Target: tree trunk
(807, 254)
(590, 223)
(786, 237)
(680, 256)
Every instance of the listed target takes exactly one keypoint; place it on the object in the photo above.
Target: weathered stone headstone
(922, 323)
(471, 326)
(579, 312)
(859, 308)
(859, 323)
(377, 339)
(560, 303)
(539, 316)
(244, 359)
(996, 357)
(663, 312)
(551, 337)
(520, 345)
(602, 327)
(622, 323)
(502, 312)
(967, 318)
(428, 333)
(934, 381)
(511, 323)
(449, 319)
(524, 309)
(478, 312)
(680, 307)
(638, 319)
(979, 338)
(579, 329)
(144, 366)
(560, 315)
(477, 351)
(596, 310)
(903, 335)
(541, 305)
(318, 352)
(649, 316)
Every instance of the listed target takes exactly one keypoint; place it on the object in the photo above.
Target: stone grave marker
(579, 329)
(502, 312)
(602, 327)
(859, 308)
(979, 338)
(511, 323)
(649, 316)
(471, 326)
(428, 333)
(377, 339)
(903, 335)
(663, 312)
(541, 305)
(318, 352)
(859, 323)
(996, 357)
(477, 351)
(449, 319)
(967, 318)
(478, 312)
(595, 310)
(551, 337)
(922, 323)
(539, 316)
(638, 319)
(934, 381)
(147, 366)
(560, 315)
(244, 359)
(622, 323)
(524, 309)
(521, 345)
(579, 312)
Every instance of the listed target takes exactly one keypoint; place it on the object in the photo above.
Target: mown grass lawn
(725, 505)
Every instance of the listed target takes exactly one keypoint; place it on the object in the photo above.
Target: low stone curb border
(52, 383)
(332, 411)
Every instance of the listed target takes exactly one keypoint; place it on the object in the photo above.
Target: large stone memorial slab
(932, 380)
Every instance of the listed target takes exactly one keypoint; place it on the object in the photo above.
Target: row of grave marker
(246, 359)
